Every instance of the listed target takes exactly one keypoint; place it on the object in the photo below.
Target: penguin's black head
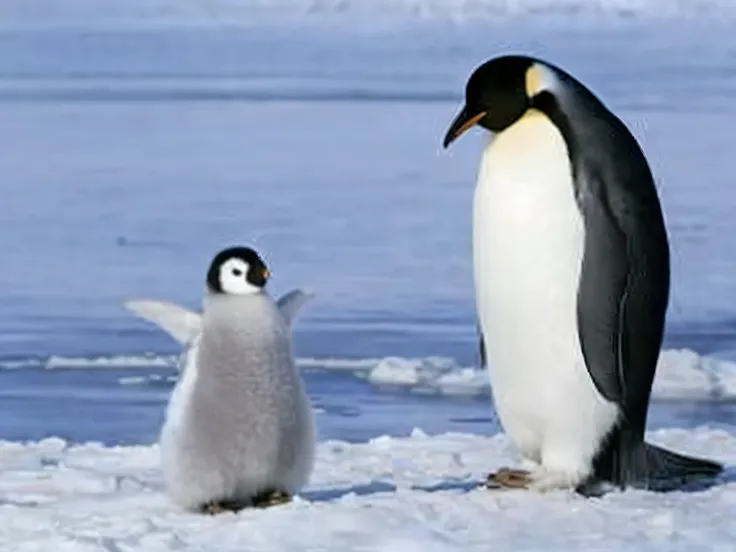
(237, 271)
(497, 94)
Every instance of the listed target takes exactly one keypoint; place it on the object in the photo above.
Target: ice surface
(681, 374)
(410, 494)
(249, 12)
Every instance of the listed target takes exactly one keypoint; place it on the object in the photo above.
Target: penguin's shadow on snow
(464, 486)
(728, 476)
(377, 487)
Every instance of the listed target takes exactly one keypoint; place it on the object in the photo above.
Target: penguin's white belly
(186, 482)
(528, 240)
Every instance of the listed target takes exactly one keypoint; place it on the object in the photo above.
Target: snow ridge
(681, 374)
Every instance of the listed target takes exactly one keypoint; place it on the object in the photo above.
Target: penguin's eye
(237, 272)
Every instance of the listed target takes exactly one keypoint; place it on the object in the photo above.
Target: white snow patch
(146, 380)
(684, 374)
(148, 360)
(414, 494)
(681, 374)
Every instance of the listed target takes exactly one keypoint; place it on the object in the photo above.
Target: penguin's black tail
(628, 461)
(665, 464)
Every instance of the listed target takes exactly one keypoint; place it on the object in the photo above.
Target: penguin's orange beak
(266, 273)
(462, 122)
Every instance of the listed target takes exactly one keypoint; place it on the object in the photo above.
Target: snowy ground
(413, 494)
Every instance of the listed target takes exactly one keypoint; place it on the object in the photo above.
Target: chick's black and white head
(499, 92)
(237, 271)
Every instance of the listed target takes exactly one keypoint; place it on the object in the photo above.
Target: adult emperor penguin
(239, 427)
(572, 274)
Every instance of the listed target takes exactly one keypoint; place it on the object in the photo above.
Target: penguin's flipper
(290, 303)
(181, 324)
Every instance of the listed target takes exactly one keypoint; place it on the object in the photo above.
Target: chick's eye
(237, 272)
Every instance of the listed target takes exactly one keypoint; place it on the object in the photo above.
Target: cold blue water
(129, 157)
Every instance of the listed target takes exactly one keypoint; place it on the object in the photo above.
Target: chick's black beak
(462, 122)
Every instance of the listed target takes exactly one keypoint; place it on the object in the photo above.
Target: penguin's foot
(215, 507)
(271, 498)
(546, 479)
(506, 478)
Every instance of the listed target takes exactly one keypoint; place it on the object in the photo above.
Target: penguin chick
(239, 429)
